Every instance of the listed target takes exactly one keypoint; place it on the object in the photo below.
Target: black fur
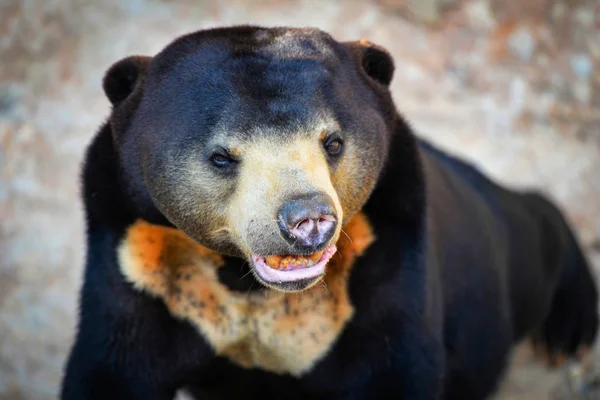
(461, 269)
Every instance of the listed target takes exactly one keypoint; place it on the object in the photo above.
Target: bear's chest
(281, 333)
(275, 331)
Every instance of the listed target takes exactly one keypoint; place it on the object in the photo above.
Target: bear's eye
(221, 158)
(334, 145)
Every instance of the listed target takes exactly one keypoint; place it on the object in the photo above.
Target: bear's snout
(308, 222)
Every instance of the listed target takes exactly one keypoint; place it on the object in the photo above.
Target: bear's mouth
(279, 269)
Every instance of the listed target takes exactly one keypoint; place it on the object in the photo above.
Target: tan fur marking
(270, 177)
(276, 331)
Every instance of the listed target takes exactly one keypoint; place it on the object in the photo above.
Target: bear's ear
(375, 61)
(122, 77)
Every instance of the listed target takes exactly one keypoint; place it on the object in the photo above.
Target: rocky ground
(510, 85)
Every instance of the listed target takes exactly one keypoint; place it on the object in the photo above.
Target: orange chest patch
(278, 332)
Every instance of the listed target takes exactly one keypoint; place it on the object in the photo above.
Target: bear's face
(258, 143)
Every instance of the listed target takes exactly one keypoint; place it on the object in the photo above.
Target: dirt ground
(511, 85)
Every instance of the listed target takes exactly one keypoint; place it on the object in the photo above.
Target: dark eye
(221, 158)
(334, 146)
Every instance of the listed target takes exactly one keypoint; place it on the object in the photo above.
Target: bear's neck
(398, 200)
(108, 205)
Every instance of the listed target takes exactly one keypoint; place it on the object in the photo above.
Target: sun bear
(262, 223)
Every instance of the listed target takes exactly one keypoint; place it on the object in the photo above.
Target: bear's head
(257, 143)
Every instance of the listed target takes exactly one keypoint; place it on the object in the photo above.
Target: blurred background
(511, 85)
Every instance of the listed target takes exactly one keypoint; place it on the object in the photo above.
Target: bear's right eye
(221, 159)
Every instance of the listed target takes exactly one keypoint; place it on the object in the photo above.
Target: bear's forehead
(245, 80)
(280, 41)
(296, 43)
(227, 49)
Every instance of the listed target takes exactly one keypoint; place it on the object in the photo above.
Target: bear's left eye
(221, 158)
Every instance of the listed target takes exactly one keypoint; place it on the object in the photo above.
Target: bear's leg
(571, 324)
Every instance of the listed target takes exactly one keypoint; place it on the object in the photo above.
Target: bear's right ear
(122, 77)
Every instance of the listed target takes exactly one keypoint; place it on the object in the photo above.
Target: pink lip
(272, 275)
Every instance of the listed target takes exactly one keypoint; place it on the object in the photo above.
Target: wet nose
(308, 222)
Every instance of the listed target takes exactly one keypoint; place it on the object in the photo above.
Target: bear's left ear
(122, 77)
(375, 61)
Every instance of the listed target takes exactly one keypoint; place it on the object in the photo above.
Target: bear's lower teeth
(291, 262)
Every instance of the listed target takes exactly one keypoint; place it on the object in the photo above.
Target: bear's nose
(307, 222)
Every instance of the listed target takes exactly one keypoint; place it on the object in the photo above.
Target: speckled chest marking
(275, 331)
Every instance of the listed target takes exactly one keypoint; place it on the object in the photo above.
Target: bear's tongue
(291, 262)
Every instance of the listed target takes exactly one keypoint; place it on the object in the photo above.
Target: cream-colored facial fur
(271, 172)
